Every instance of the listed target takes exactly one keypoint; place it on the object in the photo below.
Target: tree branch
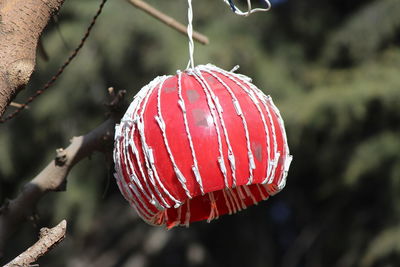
(53, 177)
(171, 22)
(21, 24)
(17, 105)
(48, 238)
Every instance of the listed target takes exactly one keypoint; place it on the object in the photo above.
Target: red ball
(199, 144)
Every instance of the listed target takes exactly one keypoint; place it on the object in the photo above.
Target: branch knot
(61, 157)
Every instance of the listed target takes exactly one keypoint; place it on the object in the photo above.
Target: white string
(160, 120)
(190, 35)
(213, 108)
(181, 103)
(237, 11)
(249, 9)
(239, 112)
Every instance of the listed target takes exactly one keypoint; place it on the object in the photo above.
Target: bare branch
(53, 177)
(17, 105)
(48, 238)
(171, 22)
(21, 24)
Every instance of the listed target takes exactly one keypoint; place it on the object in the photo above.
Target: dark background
(332, 68)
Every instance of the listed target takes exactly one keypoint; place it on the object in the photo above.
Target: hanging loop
(249, 9)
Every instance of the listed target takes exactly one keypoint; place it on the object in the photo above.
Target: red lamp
(199, 144)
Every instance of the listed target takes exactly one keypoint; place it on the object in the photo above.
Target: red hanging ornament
(197, 145)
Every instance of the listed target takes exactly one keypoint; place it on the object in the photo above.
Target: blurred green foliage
(332, 68)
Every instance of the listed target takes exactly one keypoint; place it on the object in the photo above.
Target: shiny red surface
(205, 140)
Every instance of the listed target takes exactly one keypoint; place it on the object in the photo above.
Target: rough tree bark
(21, 24)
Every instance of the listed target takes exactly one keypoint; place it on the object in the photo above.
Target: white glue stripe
(182, 105)
(149, 160)
(131, 203)
(275, 157)
(134, 203)
(287, 157)
(132, 114)
(287, 163)
(136, 192)
(136, 153)
(231, 156)
(149, 152)
(118, 174)
(132, 175)
(145, 148)
(212, 107)
(117, 159)
(133, 186)
(274, 160)
(256, 102)
(118, 168)
(238, 108)
(150, 174)
(161, 123)
(266, 101)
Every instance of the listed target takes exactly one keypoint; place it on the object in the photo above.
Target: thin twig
(48, 238)
(169, 21)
